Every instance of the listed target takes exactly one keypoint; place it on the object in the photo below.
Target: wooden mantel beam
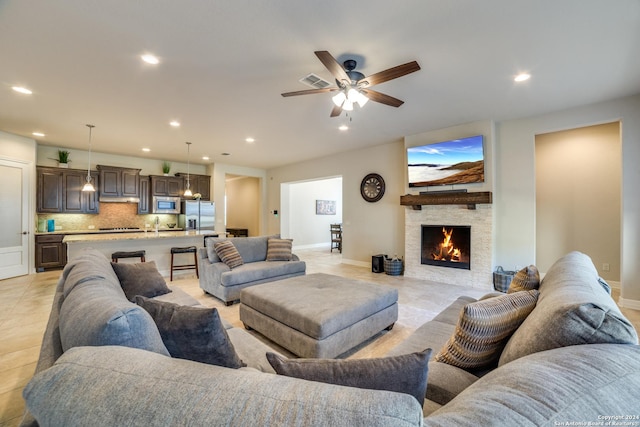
(445, 198)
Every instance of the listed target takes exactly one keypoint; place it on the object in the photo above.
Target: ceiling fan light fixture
(339, 98)
(352, 95)
(347, 105)
(361, 99)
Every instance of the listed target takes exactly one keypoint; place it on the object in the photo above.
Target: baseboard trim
(356, 263)
(312, 246)
(629, 303)
(613, 284)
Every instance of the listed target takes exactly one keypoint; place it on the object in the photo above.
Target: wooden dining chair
(336, 237)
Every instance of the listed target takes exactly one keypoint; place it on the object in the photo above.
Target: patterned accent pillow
(228, 253)
(484, 327)
(279, 249)
(525, 280)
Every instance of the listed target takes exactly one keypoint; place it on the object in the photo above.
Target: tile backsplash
(111, 215)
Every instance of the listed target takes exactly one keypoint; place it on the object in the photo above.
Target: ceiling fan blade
(382, 98)
(390, 74)
(337, 110)
(310, 91)
(332, 65)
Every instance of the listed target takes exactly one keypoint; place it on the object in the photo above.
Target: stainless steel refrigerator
(197, 215)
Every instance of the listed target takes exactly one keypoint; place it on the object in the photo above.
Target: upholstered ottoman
(319, 315)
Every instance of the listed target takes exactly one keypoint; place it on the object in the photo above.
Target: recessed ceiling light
(174, 123)
(150, 59)
(37, 134)
(250, 140)
(21, 89)
(205, 157)
(343, 127)
(146, 150)
(522, 77)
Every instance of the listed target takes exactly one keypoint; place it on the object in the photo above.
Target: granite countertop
(96, 231)
(96, 237)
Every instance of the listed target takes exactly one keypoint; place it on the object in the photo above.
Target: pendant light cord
(89, 166)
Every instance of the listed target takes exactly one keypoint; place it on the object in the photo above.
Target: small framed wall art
(325, 207)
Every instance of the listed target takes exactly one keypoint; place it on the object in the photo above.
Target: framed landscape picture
(325, 207)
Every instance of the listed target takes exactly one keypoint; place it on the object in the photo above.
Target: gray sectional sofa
(224, 283)
(575, 359)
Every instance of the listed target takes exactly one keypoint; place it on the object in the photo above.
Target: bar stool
(133, 254)
(186, 250)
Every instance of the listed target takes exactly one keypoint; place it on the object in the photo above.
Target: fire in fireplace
(446, 246)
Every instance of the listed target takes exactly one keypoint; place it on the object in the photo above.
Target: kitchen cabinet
(50, 252)
(74, 199)
(145, 195)
(118, 183)
(60, 191)
(199, 184)
(167, 185)
(49, 190)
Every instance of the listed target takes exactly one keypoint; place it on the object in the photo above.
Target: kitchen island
(156, 244)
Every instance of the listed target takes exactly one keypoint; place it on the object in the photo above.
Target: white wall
(305, 227)
(369, 228)
(48, 156)
(515, 184)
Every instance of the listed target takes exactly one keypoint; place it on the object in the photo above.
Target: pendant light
(88, 186)
(187, 191)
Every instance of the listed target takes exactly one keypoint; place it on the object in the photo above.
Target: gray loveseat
(573, 360)
(224, 283)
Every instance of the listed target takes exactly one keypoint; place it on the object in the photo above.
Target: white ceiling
(224, 65)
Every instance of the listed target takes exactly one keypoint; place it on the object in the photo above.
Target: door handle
(25, 232)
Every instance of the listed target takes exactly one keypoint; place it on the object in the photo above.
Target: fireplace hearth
(446, 246)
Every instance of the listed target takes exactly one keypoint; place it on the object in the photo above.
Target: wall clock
(372, 187)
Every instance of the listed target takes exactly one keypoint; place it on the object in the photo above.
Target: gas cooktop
(119, 228)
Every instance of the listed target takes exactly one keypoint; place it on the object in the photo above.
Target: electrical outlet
(606, 267)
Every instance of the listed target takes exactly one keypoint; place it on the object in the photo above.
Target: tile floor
(25, 303)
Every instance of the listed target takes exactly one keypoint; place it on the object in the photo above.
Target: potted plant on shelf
(63, 159)
(166, 167)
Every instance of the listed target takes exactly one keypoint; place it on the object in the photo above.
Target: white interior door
(14, 214)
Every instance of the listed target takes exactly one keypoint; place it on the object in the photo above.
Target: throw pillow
(525, 280)
(484, 327)
(228, 253)
(604, 285)
(279, 249)
(193, 333)
(142, 278)
(406, 373)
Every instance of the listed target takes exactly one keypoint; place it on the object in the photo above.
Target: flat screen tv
(458, 161)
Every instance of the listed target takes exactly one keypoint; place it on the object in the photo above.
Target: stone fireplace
(477, 222)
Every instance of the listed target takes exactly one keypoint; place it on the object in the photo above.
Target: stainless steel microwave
(166, 205)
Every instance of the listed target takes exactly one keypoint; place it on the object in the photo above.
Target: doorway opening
(578, 196)
(308, 210)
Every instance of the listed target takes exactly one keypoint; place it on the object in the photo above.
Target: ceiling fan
(353, 87)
